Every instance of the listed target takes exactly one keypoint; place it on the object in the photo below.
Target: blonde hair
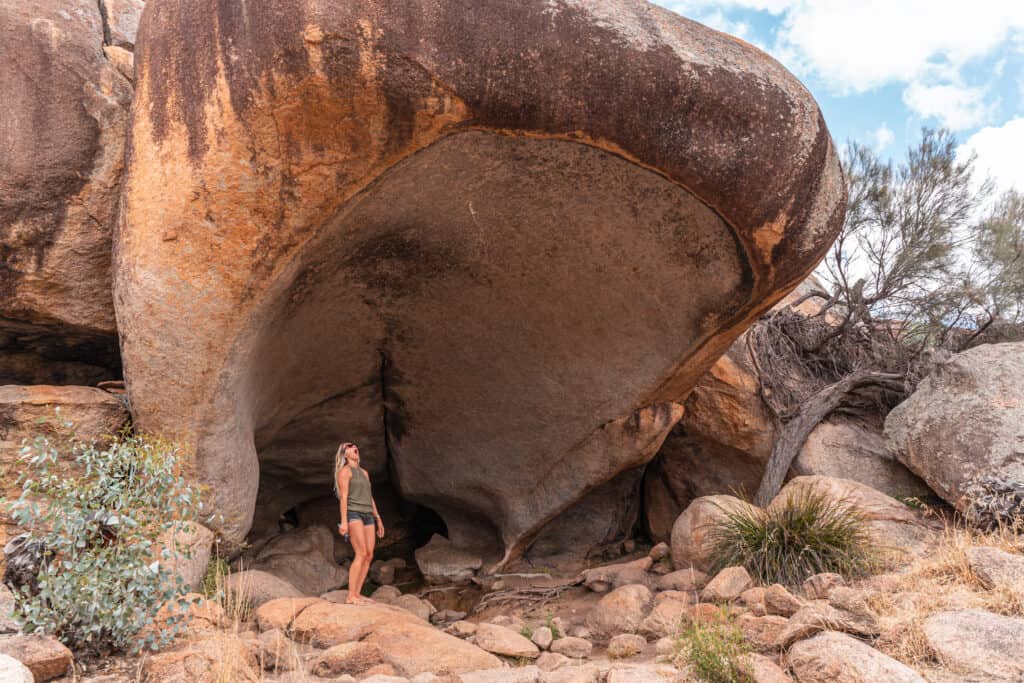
(340, 460)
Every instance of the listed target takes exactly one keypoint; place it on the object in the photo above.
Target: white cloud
(999, 153)
(955, 107)
(883, 137)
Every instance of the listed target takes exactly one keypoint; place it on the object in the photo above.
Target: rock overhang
(444, 230)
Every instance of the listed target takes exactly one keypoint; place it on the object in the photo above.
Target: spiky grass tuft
(808, 533)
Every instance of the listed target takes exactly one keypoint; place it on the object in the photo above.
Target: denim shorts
(364, 517)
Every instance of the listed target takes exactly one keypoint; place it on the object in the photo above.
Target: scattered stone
(641, 673)
(629, 546)
(830, 657)
(549, 661)
(683, 580)
(626, 645)
(852, 601)
(385, 678)
(580, 631)
(678, 596)
(762, 632)
(214, 657)
(386, 594)
(820, 616)
(778, 600)
(441, 562)
(978, 642)
(660, 551)
(277, 651)
(523, 674)
(505, 641)
(348, 658)
(418, 606)
(446, 616)
(665, 647)
(571, 646)
(582, 673)
(382, 574)
(727, 585)
(45, 656)
(666, 619)
(709, 613)
(819, 586)
(995, 567)
(621, 611)
(752, 596)
(760, 669)
(258, 587)
(542, 637)
(603, 579)
(13, 671)
(279, 614)
(462, 629)
(690, 547)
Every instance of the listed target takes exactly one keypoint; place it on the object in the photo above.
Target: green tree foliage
(101, 514)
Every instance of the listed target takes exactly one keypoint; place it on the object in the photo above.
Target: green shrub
(213, 579)
(807, 534)
(712, 651)
(98, 512)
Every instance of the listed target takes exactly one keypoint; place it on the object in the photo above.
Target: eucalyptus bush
(104, 515)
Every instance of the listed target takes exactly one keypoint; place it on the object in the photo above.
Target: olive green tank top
(359, 492)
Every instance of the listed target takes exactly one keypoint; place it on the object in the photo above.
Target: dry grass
(939, 580)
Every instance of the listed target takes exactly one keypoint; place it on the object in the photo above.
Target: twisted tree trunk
(814, 410)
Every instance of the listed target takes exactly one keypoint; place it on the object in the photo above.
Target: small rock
(542, 637)
(7, 624)
(683, 580)
(278, 614)
(347, 658)
(621, 611)
(383, 678)
(629, 546)
(820, 616)
(549, 661)
(446, 616)
(277, 652)
(641, 674)
(994, 567)
(461, 629)
(13, 671)
(762, 632)
(659, 552)
(978, 642)
(382, 573)
(583, 673)
(710, 613)
(258, 587)
(580, 631)
(759, 669)
(665, 647)
(418, 606)
(778, 600)
(626, 645)
(830, 657)
(603, 579)
(522, 674)
(752, 596)
(440, 561)
(576, 648)
(504, 641)
(45, 656)
(727, 585)
(383, 672)
(386, 594)
(818, 587)
(666, 619)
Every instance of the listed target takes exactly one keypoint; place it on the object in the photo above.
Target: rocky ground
(946, 605)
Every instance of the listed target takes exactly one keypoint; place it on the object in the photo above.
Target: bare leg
(369, 542)
(357, 537)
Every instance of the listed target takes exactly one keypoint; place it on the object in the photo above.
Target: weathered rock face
(27, 412)
(964, 425)
(396, 224)
(64, 120)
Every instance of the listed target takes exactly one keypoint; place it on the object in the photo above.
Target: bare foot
(353, 601)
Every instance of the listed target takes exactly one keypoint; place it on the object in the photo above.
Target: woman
(359, 517)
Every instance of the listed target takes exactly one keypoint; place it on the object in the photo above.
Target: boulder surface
(394, 224)
(963, 428)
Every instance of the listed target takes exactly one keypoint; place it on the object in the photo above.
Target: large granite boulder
(962, 430)
(422, 228)
(30, 411)
(64, 122)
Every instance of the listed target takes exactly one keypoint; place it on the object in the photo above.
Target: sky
(882, 69)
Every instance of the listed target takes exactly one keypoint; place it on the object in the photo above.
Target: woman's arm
(343, 478)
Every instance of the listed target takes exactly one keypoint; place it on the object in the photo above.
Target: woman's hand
(380, 528)
(343, 529)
